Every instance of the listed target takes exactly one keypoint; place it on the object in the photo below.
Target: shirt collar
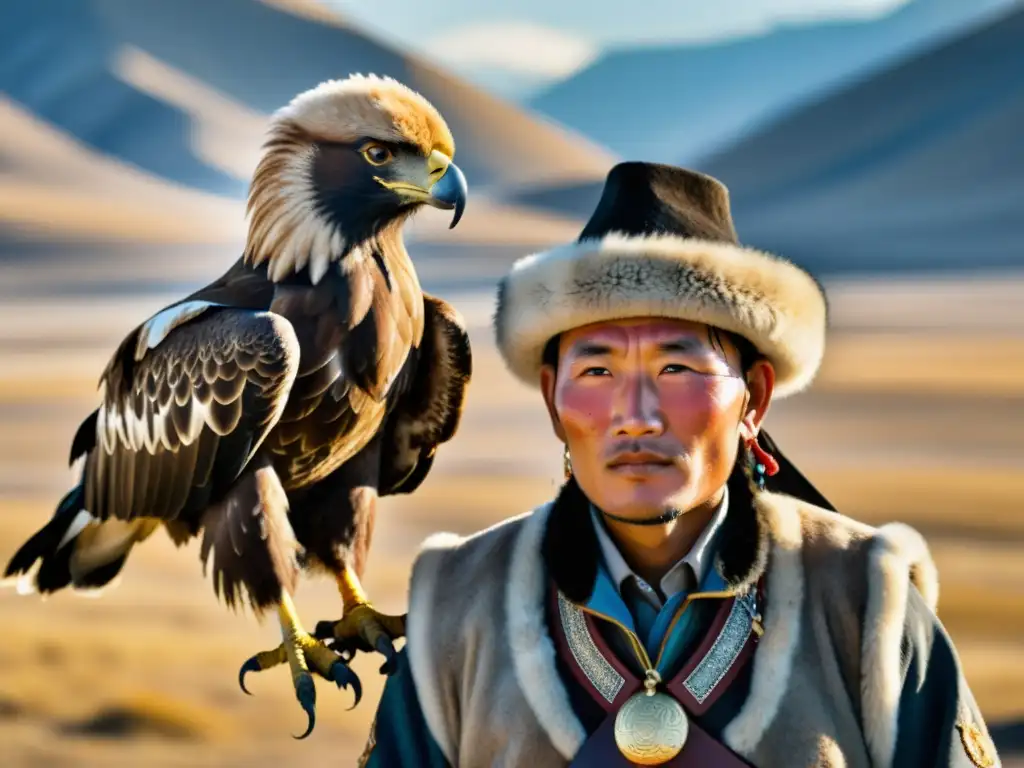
(686, 574)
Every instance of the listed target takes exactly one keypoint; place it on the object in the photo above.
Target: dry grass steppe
(911, 419)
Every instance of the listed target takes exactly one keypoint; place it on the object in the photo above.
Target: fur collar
(571, 553)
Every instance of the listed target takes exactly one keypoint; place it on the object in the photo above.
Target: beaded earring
(566, 463)
(760, 464)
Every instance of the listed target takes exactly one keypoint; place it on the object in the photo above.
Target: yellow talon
(362, 627)
(268, 659)
(367, 622)
(304, 655)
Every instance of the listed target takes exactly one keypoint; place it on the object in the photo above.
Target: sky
(515, 47)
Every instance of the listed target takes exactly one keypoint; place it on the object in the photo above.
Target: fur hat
(661, 243)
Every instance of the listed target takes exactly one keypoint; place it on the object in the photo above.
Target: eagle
(268, 411)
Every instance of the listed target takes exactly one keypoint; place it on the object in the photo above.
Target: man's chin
(650, 486)
(647, 503)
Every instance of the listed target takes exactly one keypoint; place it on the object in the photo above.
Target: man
(688, 599)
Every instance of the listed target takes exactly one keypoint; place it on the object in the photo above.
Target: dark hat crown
(650, 199)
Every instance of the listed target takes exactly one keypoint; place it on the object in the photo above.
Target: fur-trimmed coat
(854, 669)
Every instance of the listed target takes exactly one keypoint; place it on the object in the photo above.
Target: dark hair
(550, 354)
(749, 354)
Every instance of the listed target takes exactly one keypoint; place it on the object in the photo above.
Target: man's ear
(548, 379)
(760, 386)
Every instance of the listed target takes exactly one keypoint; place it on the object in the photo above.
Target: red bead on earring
(762, 457)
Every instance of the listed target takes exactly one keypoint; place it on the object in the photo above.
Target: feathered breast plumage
(358, 331)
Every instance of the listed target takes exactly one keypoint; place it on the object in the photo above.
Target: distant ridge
(58, 60)
(920, 166)
(679, 103)
(55, 62)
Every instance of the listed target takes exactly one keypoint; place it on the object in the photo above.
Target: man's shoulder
(477, 551)
(916, 703)
(835, 546)
(464, 578)
(459, 621)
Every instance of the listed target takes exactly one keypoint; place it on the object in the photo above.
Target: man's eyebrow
(683, 344)
(590, 349)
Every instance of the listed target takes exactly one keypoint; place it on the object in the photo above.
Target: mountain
(180, 91)
(916, 167)
(131, 127)
(676, 104)
(921, 166)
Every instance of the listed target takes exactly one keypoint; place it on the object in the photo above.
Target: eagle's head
(343, 162)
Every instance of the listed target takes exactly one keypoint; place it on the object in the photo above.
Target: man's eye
(595, 370)
(676, 368)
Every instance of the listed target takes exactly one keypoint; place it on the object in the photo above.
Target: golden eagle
(267, 411)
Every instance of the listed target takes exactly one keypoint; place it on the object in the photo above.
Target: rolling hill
(157, 111)
(678, 103)
(919, 167)
(916, 167)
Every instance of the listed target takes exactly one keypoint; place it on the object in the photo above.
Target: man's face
(652, 411)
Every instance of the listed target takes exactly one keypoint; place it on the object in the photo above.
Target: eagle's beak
(449, 188)
(443, 187)
(449, 192)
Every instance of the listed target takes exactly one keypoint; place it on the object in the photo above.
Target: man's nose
(639, 408)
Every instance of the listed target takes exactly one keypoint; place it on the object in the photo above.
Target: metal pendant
(651, 727)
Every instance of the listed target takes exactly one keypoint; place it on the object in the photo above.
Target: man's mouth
(641, 460)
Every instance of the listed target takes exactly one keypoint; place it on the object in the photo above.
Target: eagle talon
(305, 692)
(387, 649)
(305, 656)
(343, 677)
(252, 665)
(259, 662)
(363, 628)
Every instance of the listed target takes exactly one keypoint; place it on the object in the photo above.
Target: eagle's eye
(377, 154)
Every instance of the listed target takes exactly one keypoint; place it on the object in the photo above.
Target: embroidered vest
(486, 667)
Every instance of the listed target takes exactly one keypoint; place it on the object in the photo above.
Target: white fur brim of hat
(771, 302)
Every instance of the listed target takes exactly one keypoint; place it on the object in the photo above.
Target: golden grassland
(912, 423)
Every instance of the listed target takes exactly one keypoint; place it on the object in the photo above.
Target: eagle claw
(363, 628)
(252, 665)
(305, 692)
(387, 650)
(343, 677)
(306, 656)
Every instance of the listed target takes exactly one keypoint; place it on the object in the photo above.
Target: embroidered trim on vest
(727, 648)
(728, 645)
(595, 666)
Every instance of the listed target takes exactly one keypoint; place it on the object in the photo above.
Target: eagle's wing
(429, 412)
(186, 404)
